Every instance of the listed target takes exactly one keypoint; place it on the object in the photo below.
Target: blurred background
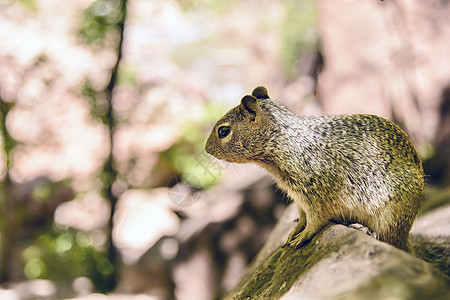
(105, 106)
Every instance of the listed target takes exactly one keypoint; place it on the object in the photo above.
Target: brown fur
(344, 168)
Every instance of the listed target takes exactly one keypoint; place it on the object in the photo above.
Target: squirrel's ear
(260, 93)
(250, 107)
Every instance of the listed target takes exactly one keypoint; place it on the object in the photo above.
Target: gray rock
(339, 263)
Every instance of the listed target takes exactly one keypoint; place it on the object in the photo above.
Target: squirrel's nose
(208, 147)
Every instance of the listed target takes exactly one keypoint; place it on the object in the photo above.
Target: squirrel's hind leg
(396, 235)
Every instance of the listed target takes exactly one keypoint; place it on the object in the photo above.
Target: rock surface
(339, 263)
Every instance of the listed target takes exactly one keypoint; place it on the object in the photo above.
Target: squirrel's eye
(223, 131)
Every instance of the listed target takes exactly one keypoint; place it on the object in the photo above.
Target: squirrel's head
(240, 135)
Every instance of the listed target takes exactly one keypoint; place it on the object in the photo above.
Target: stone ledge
(339, 263)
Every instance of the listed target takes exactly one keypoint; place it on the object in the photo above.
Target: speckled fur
(344, 168)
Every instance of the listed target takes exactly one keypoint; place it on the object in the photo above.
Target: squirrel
(353, 168)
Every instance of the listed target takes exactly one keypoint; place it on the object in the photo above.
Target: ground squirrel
(343, 168)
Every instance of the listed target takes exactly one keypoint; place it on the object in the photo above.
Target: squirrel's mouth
(217, 154)
(212, 151)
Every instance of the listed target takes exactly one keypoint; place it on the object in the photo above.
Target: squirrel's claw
(294, 235)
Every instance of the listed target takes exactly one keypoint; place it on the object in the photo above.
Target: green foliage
(63, 256)
(299, 33)
(98, 100)
(188, 157)
(107, 177)
(44, 191)
(126, 75)
(29, 4)
(214, 5)
(9, 143)
(100, 20)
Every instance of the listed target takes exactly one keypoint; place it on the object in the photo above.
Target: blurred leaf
(29, 4)
(99, 21)
(9, 143)
(35, 268)
(187, 156)
(58, 256)
(98, 100)
(43, 191)
(215, 5)
(127, 75)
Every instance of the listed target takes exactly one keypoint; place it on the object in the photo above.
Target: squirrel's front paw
(289, 240)
(293, 235)
(301, 239)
